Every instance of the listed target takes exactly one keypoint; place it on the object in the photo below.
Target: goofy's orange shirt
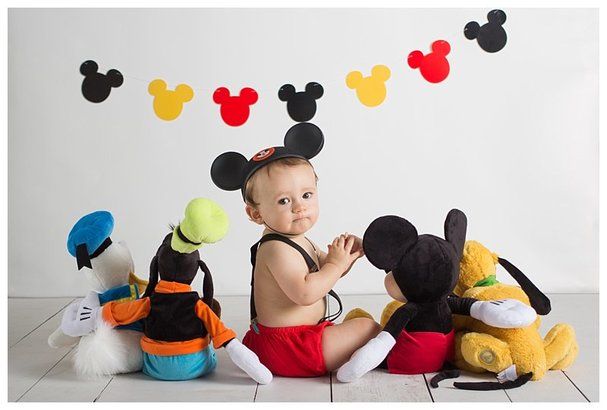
(116, 314)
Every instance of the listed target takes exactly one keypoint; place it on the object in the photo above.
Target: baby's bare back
(274, 308)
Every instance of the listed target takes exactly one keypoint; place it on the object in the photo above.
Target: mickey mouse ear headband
(231, 170)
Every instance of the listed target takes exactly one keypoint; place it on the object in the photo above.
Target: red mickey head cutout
(235, 109)
(433, 66)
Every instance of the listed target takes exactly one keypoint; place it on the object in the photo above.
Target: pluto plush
(108, 269)
(514, 354)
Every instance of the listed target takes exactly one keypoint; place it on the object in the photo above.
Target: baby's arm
(291, 274)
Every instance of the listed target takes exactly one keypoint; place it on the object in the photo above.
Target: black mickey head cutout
(231, 170)
(301, 105)
(491, 37)
(96, 87)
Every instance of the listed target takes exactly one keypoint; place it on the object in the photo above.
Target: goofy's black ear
(387, 239)
(305, 138)
(455, 230)
(227, 171)
(207, 284)
(538, 300)
(153, 280)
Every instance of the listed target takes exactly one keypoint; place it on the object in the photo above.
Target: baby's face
(287, 198)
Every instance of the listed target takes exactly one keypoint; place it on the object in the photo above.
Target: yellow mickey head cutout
(169, 103)
(371, 91)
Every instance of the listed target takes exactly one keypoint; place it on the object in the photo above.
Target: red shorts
(421, 352)
(294, 351)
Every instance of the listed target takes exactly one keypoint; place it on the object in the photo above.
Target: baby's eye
(307, 195)
(283, 201)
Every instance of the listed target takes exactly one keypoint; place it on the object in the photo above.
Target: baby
(292, 275)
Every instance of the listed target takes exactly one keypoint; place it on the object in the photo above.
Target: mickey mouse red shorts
(294, 351)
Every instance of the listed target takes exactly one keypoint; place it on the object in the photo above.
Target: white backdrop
(510, 138)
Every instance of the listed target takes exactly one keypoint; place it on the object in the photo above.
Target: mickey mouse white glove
(82, 317)
(505, 313)
(366, 358)
(248, 361)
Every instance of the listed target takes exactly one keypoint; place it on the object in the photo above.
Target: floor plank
(26, 314)
(291, 389)
(381, 386)
(582, 312)
(62, 384)
(31, 358)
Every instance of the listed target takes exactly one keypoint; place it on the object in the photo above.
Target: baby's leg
(340, 341)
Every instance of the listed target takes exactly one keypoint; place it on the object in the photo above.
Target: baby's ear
(227, 171)
(253, 214)
(455, 230)
(387, 240)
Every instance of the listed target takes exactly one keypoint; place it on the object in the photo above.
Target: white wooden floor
(38, 373)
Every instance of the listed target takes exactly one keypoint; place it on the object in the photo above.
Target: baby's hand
(340, 252)
(358, 245)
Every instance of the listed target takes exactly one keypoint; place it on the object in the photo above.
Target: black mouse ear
(497, 17)
(88, 67)
(314, 90)
(387, 239)
(286, 92)
(455, 230)
(227, 171)
(115, 78)
(305, 138)
(471, 30)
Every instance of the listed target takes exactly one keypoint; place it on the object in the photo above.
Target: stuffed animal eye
(284, 201)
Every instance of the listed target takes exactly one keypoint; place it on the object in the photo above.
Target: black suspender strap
(312, 267)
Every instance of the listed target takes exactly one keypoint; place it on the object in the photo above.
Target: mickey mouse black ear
(315, 90)
(305, 138)
(227, 171)
(286, 92)
(471, 30)
(88, 67)
(115, 78)
(387, 240)
(497, 17)
(455, 230)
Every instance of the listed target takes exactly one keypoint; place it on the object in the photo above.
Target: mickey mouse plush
(422, 270)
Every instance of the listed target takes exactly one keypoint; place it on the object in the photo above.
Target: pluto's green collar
(488, 281)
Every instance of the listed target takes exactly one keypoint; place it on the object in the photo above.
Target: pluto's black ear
(227, 171)
(387, 239)
(455, 230)
(305, 138)
(538, 300)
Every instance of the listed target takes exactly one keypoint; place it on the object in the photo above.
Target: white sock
(366, 358)
(248, 362)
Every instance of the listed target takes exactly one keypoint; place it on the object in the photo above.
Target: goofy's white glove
(82, 317)
(366, 358)
(248, 362)
(505, 313)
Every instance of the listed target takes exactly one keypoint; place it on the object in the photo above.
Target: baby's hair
(285, 162)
